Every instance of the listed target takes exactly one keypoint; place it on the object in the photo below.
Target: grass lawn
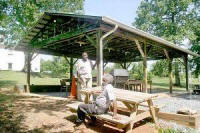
(163, 83)
(10, 78)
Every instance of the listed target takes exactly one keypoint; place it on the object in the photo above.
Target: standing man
(84, 73)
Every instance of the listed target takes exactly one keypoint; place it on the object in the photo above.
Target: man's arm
(93, 66)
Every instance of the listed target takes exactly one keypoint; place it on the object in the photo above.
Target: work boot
(79, 121)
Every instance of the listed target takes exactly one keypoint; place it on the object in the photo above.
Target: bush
(160, 68)
(56, 68)
(137, 72)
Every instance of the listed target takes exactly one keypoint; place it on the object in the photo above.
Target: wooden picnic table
(131, 100)
(196, 88)
(133, 84)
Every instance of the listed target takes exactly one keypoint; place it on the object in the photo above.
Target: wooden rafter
(139, 48)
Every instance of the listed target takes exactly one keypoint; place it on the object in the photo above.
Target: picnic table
(131, 100)
(196, 89)
(133, 84)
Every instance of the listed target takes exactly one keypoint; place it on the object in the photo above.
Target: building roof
(70, 35)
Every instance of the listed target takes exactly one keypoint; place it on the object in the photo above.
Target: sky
(121, 10)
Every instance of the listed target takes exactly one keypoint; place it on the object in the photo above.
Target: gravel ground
(173, 104)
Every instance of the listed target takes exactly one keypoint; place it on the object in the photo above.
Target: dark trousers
(90, 109)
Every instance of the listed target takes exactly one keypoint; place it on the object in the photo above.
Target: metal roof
(70, 34)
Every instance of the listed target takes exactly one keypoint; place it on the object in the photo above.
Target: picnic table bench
(196, 89)
(131, 101)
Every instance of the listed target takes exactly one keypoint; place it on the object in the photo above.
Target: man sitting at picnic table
(102, 103)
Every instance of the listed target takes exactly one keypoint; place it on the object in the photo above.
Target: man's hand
(96, 91)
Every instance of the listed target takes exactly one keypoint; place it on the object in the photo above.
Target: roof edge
(147, 35)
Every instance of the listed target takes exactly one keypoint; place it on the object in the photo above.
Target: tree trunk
(28, 73)
(177, 76)
(25, 62)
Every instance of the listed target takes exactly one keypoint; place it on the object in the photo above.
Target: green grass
(10, 78)
(163, 83)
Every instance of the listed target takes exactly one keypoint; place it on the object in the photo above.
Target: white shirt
(106, 97)
(84, 68)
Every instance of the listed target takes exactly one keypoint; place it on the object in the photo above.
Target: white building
(15, 60)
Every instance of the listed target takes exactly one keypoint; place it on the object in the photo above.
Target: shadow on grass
(41, 104)
(7, 83)
(72, 118)
(10, 120)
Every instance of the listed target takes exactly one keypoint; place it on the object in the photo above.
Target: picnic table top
(124, 95)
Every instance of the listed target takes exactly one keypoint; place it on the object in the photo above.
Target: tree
(195, 62)
(160, 68)
(17, 17)
(169, 19)
(137, 72)
(196, 48)
(58, 67)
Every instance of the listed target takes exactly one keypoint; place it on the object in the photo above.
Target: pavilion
(103, 38)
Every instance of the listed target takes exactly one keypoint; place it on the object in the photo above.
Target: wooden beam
(59, 37)
(145, 68)
(67, 59)
(33, 57)
(152, 111)
(169, 70)
(122, 65)
(75, 61)
(92, 42)
(129, 65)
(98, 57)
(166, 54)
(71, 69)
(186, 72)
(105, 64)
(139, 48)
(187, 120)
(143, 53)
(28, 72)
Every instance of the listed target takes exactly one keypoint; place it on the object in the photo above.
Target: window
(9, 66)
(10, 52)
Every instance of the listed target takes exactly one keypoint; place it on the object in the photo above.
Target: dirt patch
(48, 114)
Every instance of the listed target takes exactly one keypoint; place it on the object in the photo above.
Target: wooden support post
(144, 56)
(145, 69)
(71, 69)
(98, 59)
(169, 70)
(186, 72)
(170, 75)
(100, 73)
(28, 72)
